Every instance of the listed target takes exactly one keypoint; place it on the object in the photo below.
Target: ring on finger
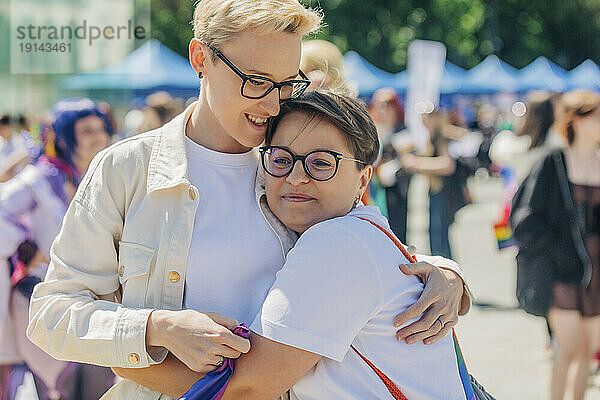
(221, 362)
(441, 322)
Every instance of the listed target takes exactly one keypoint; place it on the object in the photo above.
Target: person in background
(13, 150)
(535, 136)
(445, 195)
(106, 109)
(32, 206)
(389, 188)
(557, 225)
(31, 139)
(160, 109)
(323, 64)
(516, 154)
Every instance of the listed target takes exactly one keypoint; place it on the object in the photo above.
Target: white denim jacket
(122, 252)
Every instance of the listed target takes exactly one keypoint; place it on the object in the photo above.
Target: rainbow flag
(504, 236)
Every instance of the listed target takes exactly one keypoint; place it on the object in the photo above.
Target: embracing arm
(267, 371)
(171, 377)
(453, 277)
(446, 296)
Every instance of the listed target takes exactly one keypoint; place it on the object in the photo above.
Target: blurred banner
(425, 69)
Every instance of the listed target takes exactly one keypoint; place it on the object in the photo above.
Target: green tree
(171, 23)
(567, 32)
(518, 31)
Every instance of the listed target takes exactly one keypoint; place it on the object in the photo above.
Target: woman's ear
(365, 178)
(197, 52)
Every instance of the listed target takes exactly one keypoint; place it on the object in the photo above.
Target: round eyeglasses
(257, 87)
(320, 165)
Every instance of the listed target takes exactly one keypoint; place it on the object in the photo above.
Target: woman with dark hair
(539, 118)
(32, 206)
(556, 221)
(321, 317)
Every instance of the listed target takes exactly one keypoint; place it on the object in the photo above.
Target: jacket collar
(168, 166)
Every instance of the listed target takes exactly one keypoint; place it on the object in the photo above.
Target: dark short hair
(538, 119)
(347, 114)
(4, 120)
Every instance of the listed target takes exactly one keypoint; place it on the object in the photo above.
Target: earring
(200, 75)
(356, 201)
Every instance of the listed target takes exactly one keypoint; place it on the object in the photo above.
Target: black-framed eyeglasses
(320, 165)
(257, 87)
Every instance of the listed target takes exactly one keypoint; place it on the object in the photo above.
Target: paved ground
(503, 347)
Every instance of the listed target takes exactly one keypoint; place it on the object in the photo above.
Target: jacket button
(121, 270)
(192, 194)
(134, 359)
(174, 277)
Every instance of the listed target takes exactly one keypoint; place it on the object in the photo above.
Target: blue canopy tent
(492, 75)
(585, 76)
(367, 77)
(542, 74)
(150, 68)
(451, 79)
(401, 81)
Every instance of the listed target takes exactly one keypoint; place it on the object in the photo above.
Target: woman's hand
(439, 303)
(199, 340)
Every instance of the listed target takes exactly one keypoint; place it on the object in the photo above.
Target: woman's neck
(584, 149)
(204, 129)
(583, 164)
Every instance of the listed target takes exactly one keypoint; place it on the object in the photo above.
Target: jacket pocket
(135, 262)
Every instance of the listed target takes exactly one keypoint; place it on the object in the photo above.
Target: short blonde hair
(324, 56)
(218, 21)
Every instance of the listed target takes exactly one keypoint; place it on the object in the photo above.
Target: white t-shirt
(341, 285)
(234, 253)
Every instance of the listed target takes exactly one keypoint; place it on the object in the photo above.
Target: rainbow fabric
(502, 230)
(462, 369)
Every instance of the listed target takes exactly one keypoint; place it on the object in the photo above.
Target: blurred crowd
(44, 155)
(43, 158)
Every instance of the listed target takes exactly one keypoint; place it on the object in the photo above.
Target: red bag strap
(400, 246)
(392, 388)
